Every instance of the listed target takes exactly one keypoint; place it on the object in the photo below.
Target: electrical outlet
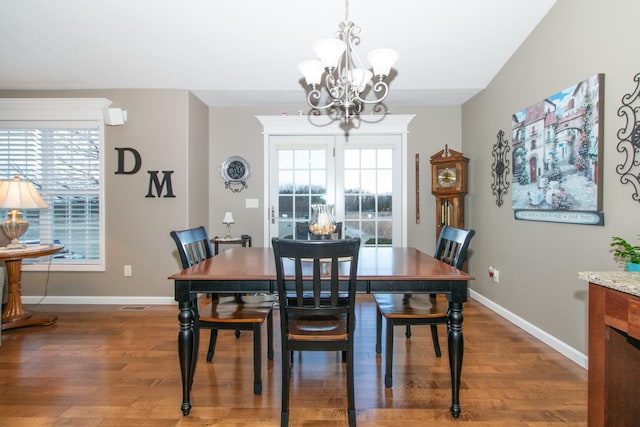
(496, 275)
(127, 271)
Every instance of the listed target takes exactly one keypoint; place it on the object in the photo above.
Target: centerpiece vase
(323, 221)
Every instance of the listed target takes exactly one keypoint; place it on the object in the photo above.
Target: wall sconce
(14, 195)
(228, 220)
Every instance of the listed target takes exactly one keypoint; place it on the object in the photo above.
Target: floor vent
(133, 308)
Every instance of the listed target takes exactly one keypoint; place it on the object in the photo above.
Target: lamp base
(16, 244)
(228, 235)
(14, 228)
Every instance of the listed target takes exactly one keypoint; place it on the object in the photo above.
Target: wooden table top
(30, 251)
(374, 264)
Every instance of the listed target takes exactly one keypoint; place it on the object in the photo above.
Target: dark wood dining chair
(420, 309)
(314, 314)
(230, 312)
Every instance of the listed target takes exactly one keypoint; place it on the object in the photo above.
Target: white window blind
(62, 159)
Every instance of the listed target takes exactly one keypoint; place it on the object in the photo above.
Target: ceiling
(245, 52)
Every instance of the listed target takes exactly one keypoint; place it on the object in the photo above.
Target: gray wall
(170, 131)
(236, 131)
(539, 261)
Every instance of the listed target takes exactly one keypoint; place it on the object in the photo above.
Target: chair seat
(420, 309)
(228, 310)
(318, 328)
(410, 306)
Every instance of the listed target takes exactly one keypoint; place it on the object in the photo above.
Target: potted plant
(626, 253)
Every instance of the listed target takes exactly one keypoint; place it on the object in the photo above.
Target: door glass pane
(302, 207)
(302, 181)
(285, 181)
(301, 178)
(368, 196)
(285, 159)
(318, 159)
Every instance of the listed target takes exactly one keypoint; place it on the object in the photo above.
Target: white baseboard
(99, 300)
(560, 346)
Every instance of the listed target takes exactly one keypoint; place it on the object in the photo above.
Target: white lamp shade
(382, 60)
(228, 218)
(359, 78)
(16, 194)
(312, 71)
(329, 51)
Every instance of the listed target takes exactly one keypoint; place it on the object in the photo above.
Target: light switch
(251, 203)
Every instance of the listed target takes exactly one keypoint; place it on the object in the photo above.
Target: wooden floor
(115, 366)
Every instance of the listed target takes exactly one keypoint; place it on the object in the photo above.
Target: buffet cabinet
(614, 350)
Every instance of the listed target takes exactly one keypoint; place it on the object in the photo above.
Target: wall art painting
(557, 153)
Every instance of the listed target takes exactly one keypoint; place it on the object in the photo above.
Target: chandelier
(346, 81)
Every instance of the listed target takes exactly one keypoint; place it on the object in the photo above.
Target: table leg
(455, 342)
(14, 314)
(185, 350)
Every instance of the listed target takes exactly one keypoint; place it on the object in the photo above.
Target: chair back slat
(452, 245)
(193, 245)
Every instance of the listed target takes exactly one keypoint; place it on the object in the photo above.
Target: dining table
(380, 269)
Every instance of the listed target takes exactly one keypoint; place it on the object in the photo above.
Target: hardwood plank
(102, 366)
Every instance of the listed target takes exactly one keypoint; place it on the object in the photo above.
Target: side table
(14, 314)
(244, 240)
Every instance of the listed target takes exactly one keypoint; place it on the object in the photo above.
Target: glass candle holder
(323, 221)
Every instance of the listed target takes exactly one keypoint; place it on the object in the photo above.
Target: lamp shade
(382, 60)
(312, 71)
(17, 194)
(228, 218)
(329, 51)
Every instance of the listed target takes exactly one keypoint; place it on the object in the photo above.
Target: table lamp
(228, 220)
(16, 194)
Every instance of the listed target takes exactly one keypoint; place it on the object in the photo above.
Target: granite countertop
(623, 281)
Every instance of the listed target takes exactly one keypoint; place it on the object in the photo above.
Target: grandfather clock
(449, 170)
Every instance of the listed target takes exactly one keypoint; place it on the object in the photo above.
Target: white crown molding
(323, 125)
(53, 108)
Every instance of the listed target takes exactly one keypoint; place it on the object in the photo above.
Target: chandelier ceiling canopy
(346, 80)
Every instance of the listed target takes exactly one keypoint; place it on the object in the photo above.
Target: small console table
(614, 347)
(244, 240)
(14, 314)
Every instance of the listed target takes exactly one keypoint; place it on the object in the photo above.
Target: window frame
(28, 112)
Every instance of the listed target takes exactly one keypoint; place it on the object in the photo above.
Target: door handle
(273, 214)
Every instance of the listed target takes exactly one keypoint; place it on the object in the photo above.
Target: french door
(361, 177)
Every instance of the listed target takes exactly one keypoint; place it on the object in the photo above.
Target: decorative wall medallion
(629, 136)
(500, 168)
(235, 171)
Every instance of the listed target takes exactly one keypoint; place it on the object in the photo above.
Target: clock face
(235, 169)
(447, 177)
